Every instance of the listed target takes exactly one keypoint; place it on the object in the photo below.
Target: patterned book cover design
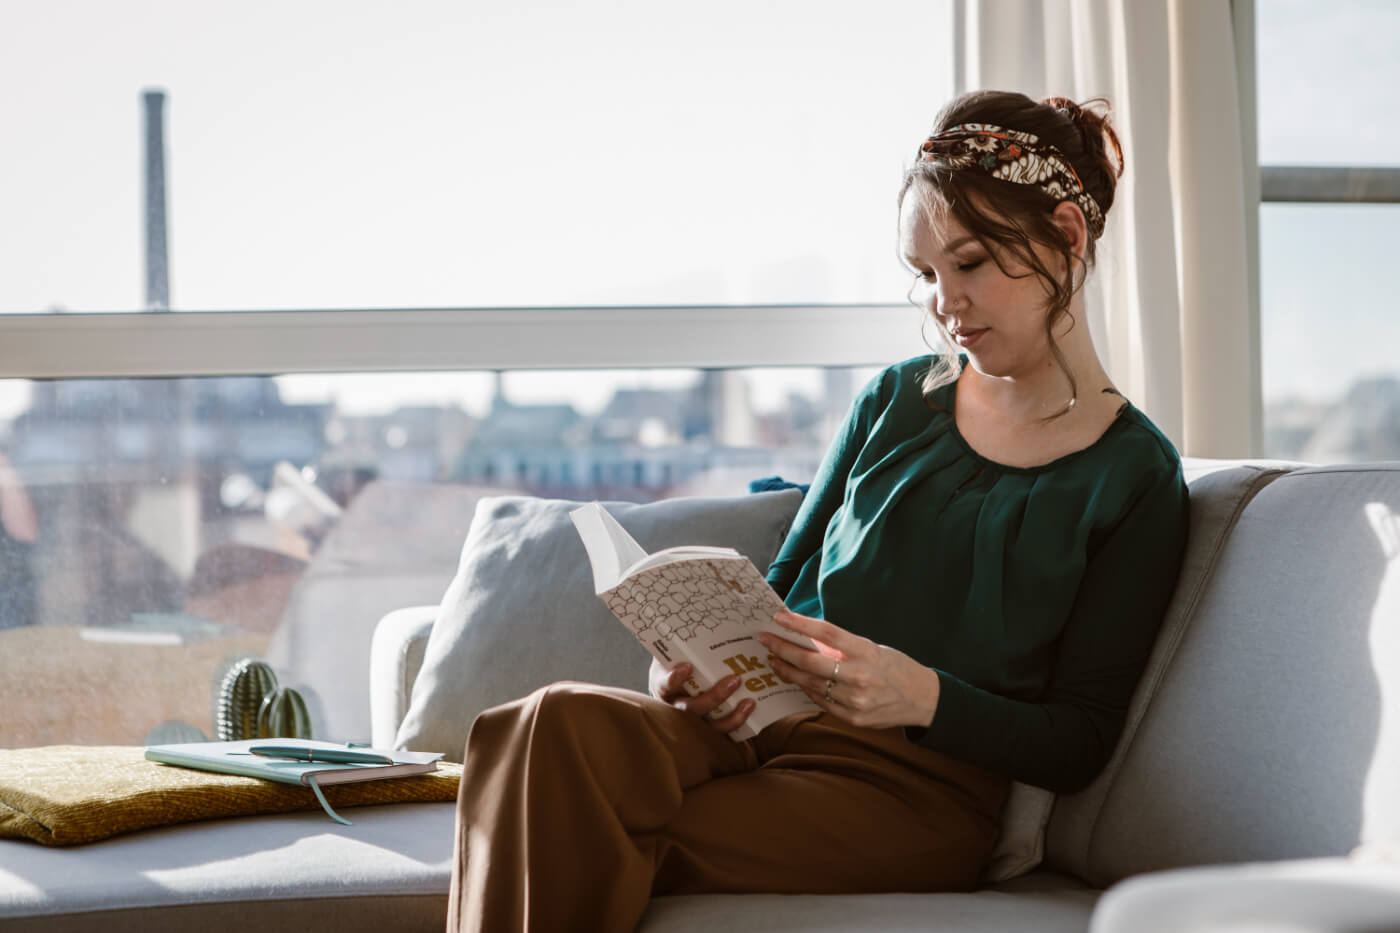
(694, 599)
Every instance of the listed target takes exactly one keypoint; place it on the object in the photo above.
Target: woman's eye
(969, 266)
(928, 275)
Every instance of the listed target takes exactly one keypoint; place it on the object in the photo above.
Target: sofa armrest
(1318, 895)
(396, 656)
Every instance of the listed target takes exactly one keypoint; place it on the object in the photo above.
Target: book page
(672, 554)
(610, 548)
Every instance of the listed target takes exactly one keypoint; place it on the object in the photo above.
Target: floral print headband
(1016, 157)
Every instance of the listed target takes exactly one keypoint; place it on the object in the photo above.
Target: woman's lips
(967, 338)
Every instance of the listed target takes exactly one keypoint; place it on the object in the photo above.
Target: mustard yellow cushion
(64, 795)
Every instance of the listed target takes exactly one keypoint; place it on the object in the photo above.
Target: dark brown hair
(1007, 217)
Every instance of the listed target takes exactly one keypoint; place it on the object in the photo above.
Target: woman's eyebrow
(917, 263)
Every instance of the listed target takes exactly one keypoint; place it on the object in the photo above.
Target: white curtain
(1172, 307)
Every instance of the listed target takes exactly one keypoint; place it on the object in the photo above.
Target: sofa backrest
(1268, 723)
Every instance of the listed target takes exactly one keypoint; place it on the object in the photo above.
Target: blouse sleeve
(828, 488)
(1063, 739)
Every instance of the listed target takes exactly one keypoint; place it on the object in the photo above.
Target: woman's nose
(949, 302)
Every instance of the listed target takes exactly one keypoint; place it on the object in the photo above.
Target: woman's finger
(674, 684)
(817, 663)
(834, 702)
(702, 704)
(667, 683)
(735, 719)
(812, 684)
(823, 632)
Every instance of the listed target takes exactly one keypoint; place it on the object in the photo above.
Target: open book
(238, 758)
(704, 605)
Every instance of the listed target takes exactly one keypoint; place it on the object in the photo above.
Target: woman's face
(997, 318)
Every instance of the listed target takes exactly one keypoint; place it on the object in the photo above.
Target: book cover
(703, 605)
(156, 628)
(235, 758)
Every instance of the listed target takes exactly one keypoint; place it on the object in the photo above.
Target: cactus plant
(241, 692)
(251, 705)
(283, 713)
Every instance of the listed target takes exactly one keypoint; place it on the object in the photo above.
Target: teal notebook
(235, 758)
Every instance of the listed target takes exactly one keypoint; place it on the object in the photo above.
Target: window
(1329, 145)
(185, 523)
(386, 220)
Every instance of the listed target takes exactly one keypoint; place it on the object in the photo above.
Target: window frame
(219, 343)
(1329, 184)
(1278, 183)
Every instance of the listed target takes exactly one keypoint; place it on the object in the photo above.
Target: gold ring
(829, 685)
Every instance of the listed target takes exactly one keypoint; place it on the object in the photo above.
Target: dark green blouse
(1035, 594)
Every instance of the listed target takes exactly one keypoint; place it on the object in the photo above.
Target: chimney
(157, 255)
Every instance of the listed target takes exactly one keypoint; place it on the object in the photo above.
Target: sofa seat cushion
(1042, 902)
(392, 871)
(294, 871)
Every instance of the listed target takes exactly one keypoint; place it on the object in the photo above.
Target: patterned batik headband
(1016, 157)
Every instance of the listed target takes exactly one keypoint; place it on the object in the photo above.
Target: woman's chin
(985, 363)
(995, 366)
(991, 358)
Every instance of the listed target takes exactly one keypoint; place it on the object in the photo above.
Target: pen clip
(326, 755)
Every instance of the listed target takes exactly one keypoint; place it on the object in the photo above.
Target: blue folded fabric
(774, 483)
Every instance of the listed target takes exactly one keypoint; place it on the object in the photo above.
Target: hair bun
(1094, 130)
(1063, 104)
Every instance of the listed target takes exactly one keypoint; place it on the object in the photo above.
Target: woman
(984, 559)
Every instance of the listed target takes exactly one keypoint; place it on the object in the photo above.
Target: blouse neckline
(1118, 419)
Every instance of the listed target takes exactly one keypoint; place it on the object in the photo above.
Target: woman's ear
(1070, 219)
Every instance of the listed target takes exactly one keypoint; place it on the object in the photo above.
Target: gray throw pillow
(521, 612)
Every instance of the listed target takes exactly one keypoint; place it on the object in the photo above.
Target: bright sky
(441, 153)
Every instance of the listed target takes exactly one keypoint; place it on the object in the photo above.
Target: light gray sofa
(1262, 748)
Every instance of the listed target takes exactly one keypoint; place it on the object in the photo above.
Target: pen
(333, 755)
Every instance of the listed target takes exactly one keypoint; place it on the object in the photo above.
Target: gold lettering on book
(741, 664)
(746, 664)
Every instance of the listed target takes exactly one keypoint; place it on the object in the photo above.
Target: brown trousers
(580, 802)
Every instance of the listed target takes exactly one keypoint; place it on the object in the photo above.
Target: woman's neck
(1044, 388)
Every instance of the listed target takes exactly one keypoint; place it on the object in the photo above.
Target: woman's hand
(667, 685)
(875, 685)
